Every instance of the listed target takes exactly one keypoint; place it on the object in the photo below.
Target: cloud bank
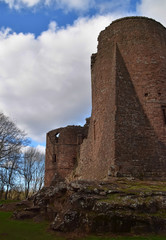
(153, 9)
(45, 81)
(70, 5)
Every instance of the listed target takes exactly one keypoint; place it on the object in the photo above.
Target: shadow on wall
(138, 151)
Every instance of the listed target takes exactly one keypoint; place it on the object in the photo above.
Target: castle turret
(127, 134)
(62, 152)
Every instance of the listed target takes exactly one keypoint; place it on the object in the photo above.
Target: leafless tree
(18, 166)
(11, 169)
(2, 182)
(33, 170)
(11, 139)
(38, 178)
(28, 168)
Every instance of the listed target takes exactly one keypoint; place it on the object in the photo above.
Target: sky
(45, 50)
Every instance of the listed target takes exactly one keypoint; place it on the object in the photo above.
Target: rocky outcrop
(116, 207)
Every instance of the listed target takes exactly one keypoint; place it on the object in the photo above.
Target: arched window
(56, 137)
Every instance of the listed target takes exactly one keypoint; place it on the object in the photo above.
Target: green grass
(128, 186)
(28, 230)
(126, 238)
(8, 201)
(23, 230)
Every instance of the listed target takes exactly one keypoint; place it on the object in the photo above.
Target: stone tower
(62, 151)
(127, 131)
(127, 134)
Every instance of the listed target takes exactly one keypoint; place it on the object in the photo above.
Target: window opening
(54, 158)
(94, 129)
(164, 113)
(56, 137)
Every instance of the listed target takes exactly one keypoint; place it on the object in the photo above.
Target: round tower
(127, 135)
(62, 151)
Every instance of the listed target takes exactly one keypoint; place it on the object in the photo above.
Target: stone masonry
(127, 131)
(62, 151)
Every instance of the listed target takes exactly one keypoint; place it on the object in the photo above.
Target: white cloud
(75, 4)
(17, 4)
(45, 81)
(30, 3)
(154, 9)
(67, 5)
(4, 32)
(41, 148)
(53, 26)
(113, 6)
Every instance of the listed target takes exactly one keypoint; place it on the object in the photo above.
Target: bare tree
(16, 164)
(33, 170)
(2, 181)
(28, 168)
(38, 177)
(11, 169)
(11, 139)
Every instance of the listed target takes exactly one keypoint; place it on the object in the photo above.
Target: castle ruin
(126, 136)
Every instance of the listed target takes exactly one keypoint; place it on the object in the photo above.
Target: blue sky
(45, 49)
(33, 20)
(36, 18)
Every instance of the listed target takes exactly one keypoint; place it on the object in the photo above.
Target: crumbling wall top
(134, 17)
(66, 135)
(128, 20)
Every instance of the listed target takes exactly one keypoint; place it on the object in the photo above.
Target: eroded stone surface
(62, 152)
(125, 206)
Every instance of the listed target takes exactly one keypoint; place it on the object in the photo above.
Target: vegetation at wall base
(27, 229)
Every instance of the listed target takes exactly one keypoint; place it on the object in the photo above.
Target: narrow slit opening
(164, 113)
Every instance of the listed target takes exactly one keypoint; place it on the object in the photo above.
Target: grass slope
(28, 230)
(126, 238)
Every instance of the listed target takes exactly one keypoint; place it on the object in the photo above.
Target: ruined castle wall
(127, 132)
(62, 151)
(140, 125)
(97, 152)
(127, 135)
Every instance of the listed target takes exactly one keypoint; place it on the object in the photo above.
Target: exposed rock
(21, 215)
(131, 207)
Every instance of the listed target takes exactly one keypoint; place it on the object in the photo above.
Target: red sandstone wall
(97, 151)
(50, 164)
(62, 151)
(127, 135)
(141, 93)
